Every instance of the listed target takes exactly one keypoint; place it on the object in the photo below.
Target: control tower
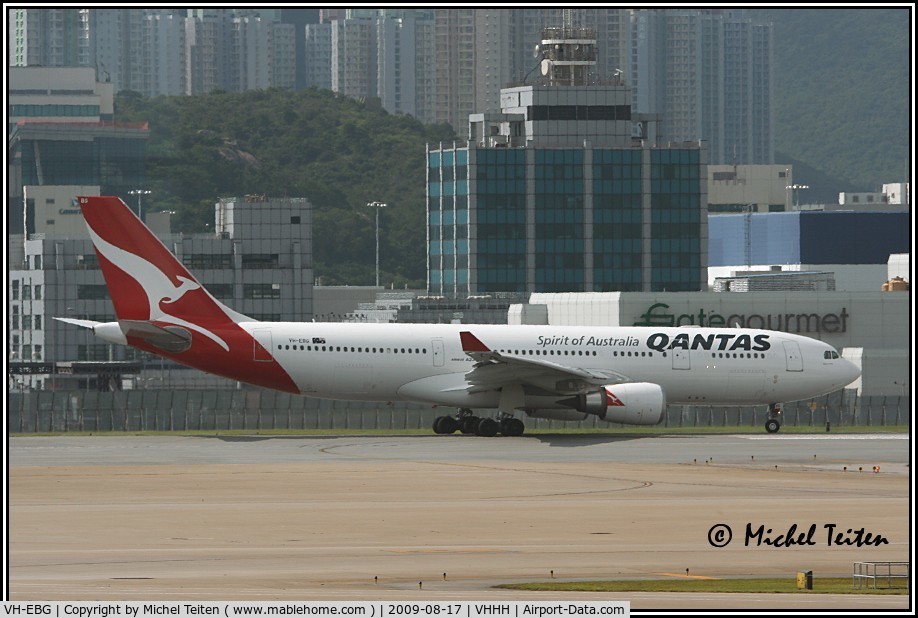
(568, 56)
(565, 189)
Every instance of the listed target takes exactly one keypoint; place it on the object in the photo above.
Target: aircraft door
(681, 359)
(262, 345)
(436, 346)
(793, 357)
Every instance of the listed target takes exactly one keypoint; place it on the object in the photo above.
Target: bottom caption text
(234, 609)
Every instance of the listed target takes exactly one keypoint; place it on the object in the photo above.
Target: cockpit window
(830, 354)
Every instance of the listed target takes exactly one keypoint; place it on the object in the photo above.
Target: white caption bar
(236, 609)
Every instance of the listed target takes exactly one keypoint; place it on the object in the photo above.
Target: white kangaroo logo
(157, 286)
(186, 286)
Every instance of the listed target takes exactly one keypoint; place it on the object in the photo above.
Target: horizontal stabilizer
(90, 324)
(173, 339)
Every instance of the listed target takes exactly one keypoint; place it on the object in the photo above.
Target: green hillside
(842, 96)
(333, 150)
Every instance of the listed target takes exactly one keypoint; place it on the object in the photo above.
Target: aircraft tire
(487, 427)
(512, 427)
(469, 424)
(445, 425)
(772, 426)
(448, 425)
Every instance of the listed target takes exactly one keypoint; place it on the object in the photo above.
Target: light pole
(139, 193)
(377, 206)
(787, 198)
(795, 188)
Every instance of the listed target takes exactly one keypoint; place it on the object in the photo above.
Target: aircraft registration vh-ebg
(620, 374)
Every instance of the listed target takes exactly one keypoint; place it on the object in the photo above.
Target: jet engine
(638, 403)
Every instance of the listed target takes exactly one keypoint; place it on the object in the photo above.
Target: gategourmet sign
(659, 314)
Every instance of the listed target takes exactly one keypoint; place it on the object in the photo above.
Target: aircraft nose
(851, 372)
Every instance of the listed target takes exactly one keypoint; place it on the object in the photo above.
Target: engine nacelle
(638, 403)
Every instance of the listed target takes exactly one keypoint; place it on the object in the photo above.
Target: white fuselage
(426, 362)
(620, 374)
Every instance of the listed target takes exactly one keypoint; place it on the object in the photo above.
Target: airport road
(318, 518)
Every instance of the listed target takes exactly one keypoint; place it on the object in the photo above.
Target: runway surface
(364, 518)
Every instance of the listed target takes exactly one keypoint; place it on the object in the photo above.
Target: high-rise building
(299, 18)
(425, 76)
(454, 41)
(493, 57)
(115, 45)
(163, 54)
(404, 68)
(565, 190)
(283, 61)
(263, 54)
(317, 53)
(44, 37)
(136, 49)
(479, 51)
(384, 54)
(708, 74)
(237, 50)
(353, 60)
(208, 52)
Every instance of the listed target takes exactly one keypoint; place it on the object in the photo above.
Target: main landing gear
(466, 422)
(773, 422)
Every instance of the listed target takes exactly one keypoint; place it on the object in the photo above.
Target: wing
(494, 370)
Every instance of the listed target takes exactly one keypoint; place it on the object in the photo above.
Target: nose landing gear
(773, 422)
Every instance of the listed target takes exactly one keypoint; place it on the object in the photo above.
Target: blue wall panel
(807, 238)
(774, 238)
(853, 237)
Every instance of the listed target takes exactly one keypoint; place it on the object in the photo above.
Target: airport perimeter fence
(254, 410)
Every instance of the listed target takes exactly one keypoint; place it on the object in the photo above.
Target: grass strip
(822, 585)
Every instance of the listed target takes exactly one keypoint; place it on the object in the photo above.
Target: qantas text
(721, 341)
(662, 341)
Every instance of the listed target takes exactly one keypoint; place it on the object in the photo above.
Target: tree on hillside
(330, 149)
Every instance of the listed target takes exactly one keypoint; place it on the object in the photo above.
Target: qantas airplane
(620, 374)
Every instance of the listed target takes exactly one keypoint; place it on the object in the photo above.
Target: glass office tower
(565, 190)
